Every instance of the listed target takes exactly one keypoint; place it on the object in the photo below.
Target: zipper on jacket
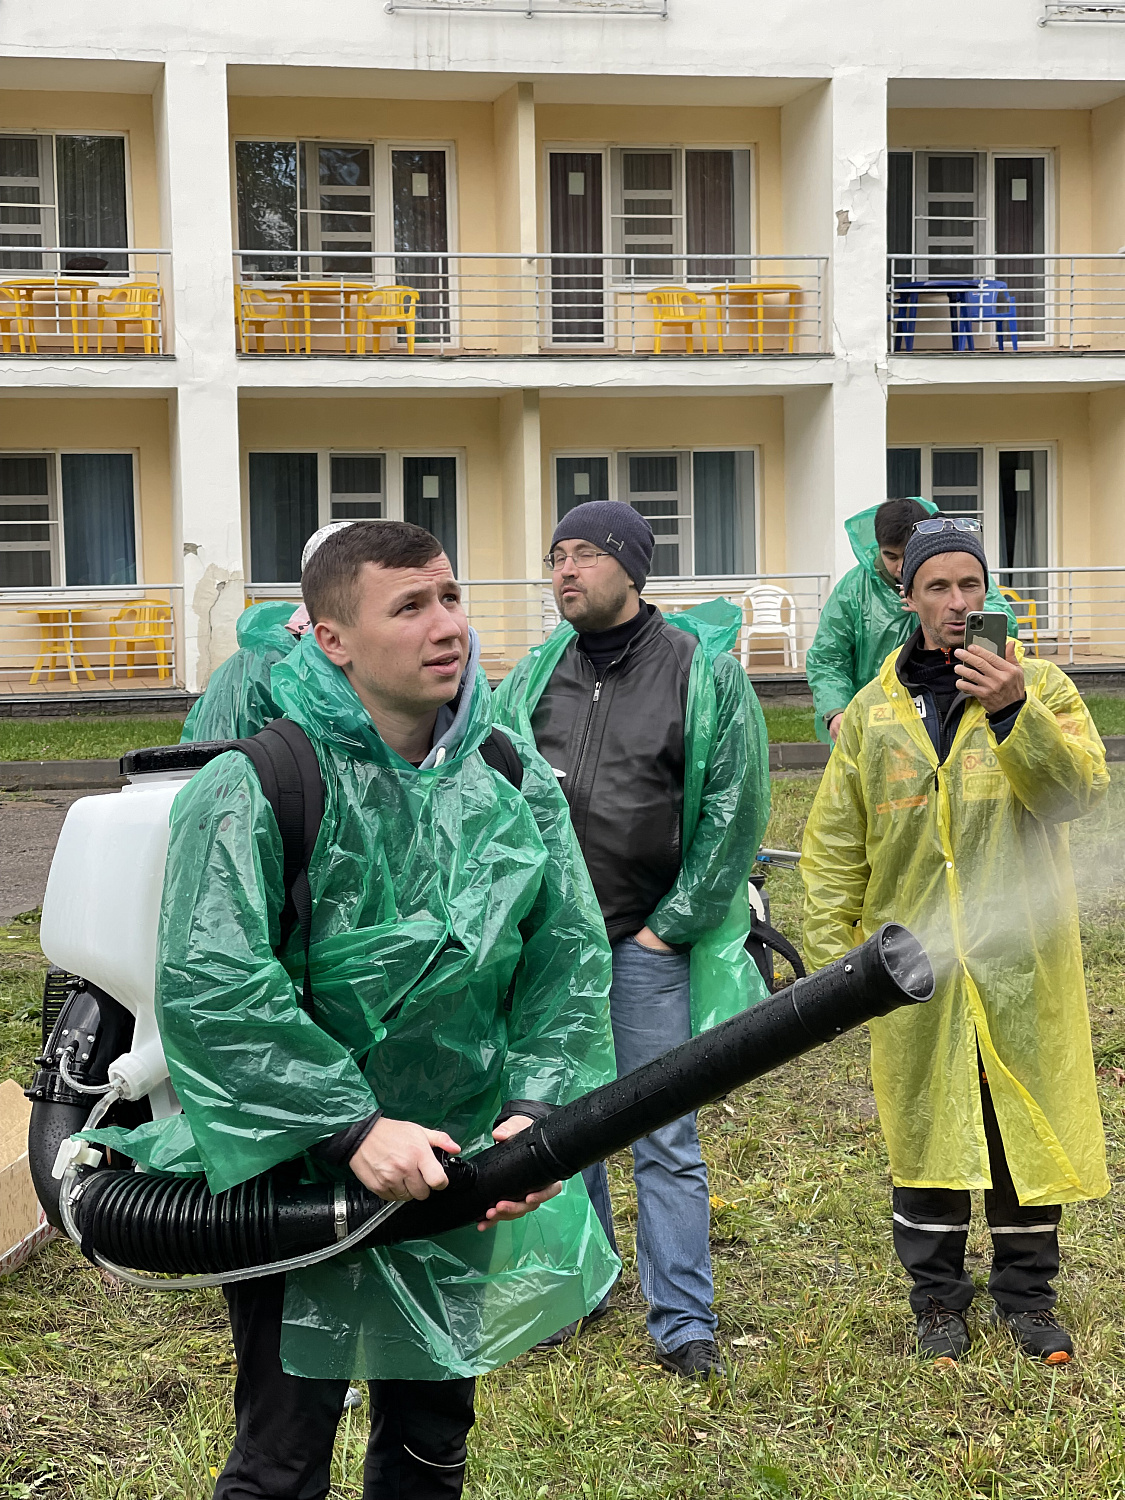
(585, 740)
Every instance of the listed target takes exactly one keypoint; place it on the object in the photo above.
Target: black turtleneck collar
(605, 646)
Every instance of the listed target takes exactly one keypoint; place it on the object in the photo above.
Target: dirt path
(29, 826)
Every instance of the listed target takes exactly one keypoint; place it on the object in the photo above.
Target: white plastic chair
(769, 611)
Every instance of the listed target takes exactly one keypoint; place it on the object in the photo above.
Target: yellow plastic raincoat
(974, 857)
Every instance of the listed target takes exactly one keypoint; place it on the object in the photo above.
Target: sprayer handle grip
(460, 1172)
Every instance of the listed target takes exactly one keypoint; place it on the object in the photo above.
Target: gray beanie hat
(614, 527)
(926, 544)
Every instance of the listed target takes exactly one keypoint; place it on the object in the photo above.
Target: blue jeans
(650, 1009)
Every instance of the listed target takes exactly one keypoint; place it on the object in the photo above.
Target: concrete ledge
(808, 757)
(142, 704)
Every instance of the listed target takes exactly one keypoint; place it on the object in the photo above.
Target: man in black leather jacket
(611, 724)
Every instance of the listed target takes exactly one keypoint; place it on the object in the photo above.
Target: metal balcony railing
(1073, 615)
(513, 615)
(312, 302)
(55, 639)
(83, 301)
(1007, 303)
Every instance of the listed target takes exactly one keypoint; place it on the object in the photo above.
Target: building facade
(749, 268)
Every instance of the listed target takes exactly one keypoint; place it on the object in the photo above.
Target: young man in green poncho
(659, 745)
(459, 974)
(866, 615)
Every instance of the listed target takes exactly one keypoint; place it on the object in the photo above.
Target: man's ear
(327, 635)
(909, 606)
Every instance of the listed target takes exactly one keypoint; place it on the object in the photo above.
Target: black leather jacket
(617, 746)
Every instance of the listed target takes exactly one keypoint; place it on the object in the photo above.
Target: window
(291, 494)
(701, 505)
(62, 190)
(972, 213)
(87, 541)
(1006, 489)
(675, 201)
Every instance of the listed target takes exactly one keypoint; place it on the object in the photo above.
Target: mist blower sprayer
(102, 1047)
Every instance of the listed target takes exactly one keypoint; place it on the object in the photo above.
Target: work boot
(942, 1333)
(1038, 1333)
(698, 1359)
(571, 1331)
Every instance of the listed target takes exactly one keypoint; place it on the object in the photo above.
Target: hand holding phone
(985, 670)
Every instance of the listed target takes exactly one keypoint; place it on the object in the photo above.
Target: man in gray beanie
(610, 721)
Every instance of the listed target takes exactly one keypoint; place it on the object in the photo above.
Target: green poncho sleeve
(258, 1078)
(830, 664)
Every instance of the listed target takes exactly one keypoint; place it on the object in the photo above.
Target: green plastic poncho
(237, 701)
(459, 961)
(726, 805)
(974, 857)
(863, 620)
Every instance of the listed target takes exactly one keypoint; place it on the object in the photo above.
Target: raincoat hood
(236, 702)
(262, 627)
(860, 530)
(316, 694)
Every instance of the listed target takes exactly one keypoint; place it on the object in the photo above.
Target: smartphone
(987, 628)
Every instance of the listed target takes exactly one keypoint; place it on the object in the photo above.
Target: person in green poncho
(460, 974)
(865, 617)
(237, 701)
(659, 745)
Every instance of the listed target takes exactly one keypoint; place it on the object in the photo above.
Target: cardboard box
(23, 1224)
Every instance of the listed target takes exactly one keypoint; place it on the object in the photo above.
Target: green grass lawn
(107, 1393)
(108, 738)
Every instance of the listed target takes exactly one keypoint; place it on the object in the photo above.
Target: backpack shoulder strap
(289, 772)
(498, 752)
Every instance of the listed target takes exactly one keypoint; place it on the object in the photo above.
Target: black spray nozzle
(161, 1224)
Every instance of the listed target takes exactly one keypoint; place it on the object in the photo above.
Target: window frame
(382, 252)
(987, 194)
(57, 521)
(607, 149)
(615, 458)
(392, 471)
(990, 483)
(130, 236)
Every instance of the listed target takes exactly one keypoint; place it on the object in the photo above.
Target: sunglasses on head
(945, 523)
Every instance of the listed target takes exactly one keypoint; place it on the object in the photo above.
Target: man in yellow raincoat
(945, 806)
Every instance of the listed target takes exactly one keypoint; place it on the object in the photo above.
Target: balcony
(504, 305)
(1012, 304)
(89, 639)
(83, 301)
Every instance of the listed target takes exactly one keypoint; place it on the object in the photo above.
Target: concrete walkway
(29, 826)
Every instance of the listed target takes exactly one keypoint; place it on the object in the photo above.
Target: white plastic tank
(101, 912)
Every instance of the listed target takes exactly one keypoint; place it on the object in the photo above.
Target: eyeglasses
(945, 523)
(585, 557)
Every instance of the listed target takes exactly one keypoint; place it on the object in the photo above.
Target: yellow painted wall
(621, 125)
(1107, 132)
(1061, 419)
(469, 126)
(1107, 476)
(660, 423)
(1066, 132)
(422, 425)
(130, 114)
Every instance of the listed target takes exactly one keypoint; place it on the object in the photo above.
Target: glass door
(578, 480)
(577, 285)
(420, 207)
(283, 513)
(429, 499)
(950, 217)
(336, 209)
(1022, 540)
(1019, 230)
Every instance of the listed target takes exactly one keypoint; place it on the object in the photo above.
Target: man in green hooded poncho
(865, 617)
(460, 974)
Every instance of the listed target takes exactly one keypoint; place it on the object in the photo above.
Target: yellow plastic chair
(255, 309)
(752, 295)
(137, 302)
(1030, 616)
(150, 622)
(676, 307)
(385, 307)
(12, 317)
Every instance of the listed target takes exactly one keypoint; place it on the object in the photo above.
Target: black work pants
(286, 1426)
(931, 1226)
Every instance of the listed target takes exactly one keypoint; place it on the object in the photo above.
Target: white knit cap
(317, 537)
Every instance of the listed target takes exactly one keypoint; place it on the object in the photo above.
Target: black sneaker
(571, 1331)
(1038, 1333)
(698, 1359)
(942, 1333)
